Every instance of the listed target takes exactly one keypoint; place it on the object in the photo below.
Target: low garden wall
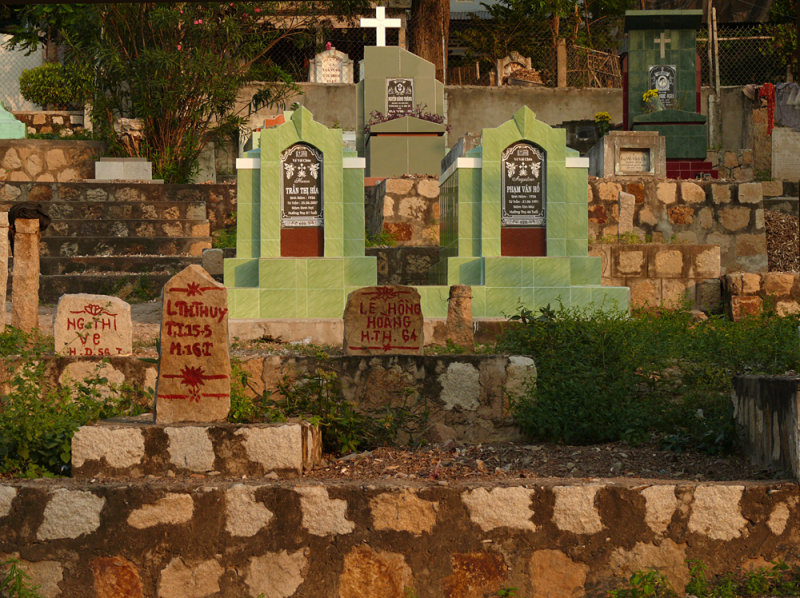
(191, 538)
(62, 122)
(658, 274)
(747, 293)
(48, 160)
(727, 214)
(220, 199)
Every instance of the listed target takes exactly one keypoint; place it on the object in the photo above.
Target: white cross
(381, 23)
(662, 41)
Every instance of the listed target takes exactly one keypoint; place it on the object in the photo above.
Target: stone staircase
(114, 240)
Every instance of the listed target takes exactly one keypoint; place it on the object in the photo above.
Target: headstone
(785, 153)
(511, 63)
(383, 320)
(25, 287)
(459, 323)
(91, 325)
(627, 205)
(522, 187)
(629, 153)
(10, 127)
(301, 189)
(194, 371)
(3, 267)
(331, 66)
(123, 169)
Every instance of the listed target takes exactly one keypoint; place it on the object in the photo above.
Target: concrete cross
(662, 41)
(381, 24)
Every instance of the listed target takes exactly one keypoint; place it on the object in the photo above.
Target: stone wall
(766, 413)
(746, 293)
(48, 160)
(465, 396)
(727, 214)
(410, 210)
(63, 122)
(663, 274)
(732, 165)
(193, 538)
(220, 199)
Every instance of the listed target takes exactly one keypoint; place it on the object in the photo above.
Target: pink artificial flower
(180, 47)
(198, 22)
(257, 9)
(328, 46)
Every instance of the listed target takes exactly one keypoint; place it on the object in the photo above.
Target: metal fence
(12, 63)
(747, 54)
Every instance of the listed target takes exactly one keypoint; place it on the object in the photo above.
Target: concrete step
(122, 264)
(112, 246)
(121, 210)
(128, 228)
(126, 285)
(785, 203)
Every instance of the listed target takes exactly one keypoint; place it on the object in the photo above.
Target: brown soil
(450, 462)
(783, 241)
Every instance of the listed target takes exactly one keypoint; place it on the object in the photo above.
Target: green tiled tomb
(263, 284)
(470, 208)
(394, 80)
(662, 55)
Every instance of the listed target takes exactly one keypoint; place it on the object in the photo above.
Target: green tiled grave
(261, 283)
(472, 255)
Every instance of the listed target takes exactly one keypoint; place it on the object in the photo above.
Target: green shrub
(54, 84)
(605, 377)
(15, 583)
(38, 418)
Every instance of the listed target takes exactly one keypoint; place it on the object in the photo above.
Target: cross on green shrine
(662, 41)
(381, 24)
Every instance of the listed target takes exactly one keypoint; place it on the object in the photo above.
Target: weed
(646, 584)
(38, 418)
(15, 583)
(382, 239)
(225, 237)
(605, 376)
(507, 592)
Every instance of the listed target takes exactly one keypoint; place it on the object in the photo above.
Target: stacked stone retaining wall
(48, 160)
(192, 538)
(61, 122)
(747, 293)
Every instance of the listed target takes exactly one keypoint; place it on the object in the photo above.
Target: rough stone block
(772, 188)
(666, 193)
(692, 192)
(667, 263)
(744, 306)
(750, 193)
(779, 284)
(735, 218)
(720, 193)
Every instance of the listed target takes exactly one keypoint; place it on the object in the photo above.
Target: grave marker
(332, 67)
(90, 325)
(25, 287)
(194, 371)
(383, 320)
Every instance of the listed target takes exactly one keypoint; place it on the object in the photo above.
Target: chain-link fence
(12, 63)
(747, 54)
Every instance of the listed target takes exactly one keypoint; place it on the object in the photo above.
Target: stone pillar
(25, 289)
(3, 267)
(459, 317)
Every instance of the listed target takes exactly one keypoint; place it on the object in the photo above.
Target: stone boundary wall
(767, 411)
(410, 210)
(192, 538)
(466, 396)
(663, 274)
(63, 122)
(48, 160)
(745, 293)
(732, 165)
(707, 212)
(220, 199)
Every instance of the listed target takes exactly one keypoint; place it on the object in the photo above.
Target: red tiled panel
(523, 241)
(307, 241)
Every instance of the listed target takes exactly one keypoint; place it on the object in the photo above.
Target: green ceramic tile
(244, 249)
(301, 304)
(326, 303)
(334, 248)
(362, 271)
(502, 301)
(278, 303)
(585, 270)
(611, 298)
(353, 221)
(577, 221)
(503, 271)
(577, 247)
(243, 303)
(557, 219)
(302, 272)
(270, 247)
(552, 272)
(333, 185)
(556, 247)
(527, 270)
(478, 301)
(239, 272)
(433, 300)
(552, 296)
(325, 274)
(580, 297)
(277, 273)
(465, 270)
(353, 247)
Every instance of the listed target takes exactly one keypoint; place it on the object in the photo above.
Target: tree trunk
(428, 26)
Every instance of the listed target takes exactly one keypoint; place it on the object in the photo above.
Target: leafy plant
(382, 239)
(15, 583)
(56, 85)
(646, 584)
(38, 417)
(225, 237)
(377, 117)
(605, 376)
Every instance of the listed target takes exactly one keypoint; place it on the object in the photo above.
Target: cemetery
(461, 341)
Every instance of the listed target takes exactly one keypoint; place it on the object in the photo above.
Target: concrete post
(561, 59)
(459, 326)
(3, 267)
(25, 289)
